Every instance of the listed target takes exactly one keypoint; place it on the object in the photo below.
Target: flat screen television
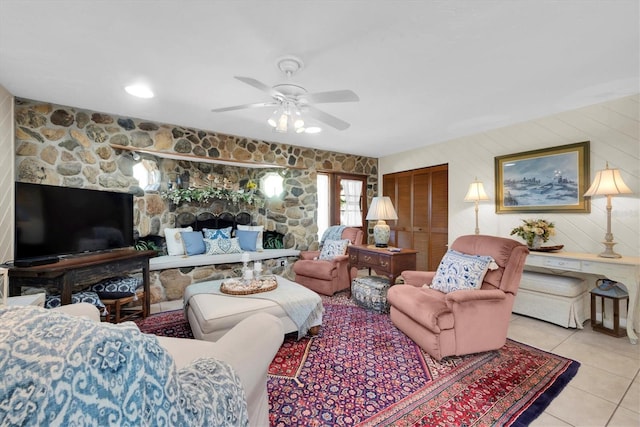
(53, 221)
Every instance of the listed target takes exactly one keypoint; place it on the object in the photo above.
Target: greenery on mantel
(178, 196)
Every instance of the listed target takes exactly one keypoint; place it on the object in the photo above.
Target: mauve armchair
(327, 276)
(463, 321)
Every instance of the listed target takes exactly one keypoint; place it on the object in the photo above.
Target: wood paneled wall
(613, 128)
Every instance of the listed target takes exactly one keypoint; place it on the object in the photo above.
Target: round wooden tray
(238, 287)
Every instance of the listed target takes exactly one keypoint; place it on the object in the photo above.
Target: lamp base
(381, 234)
(608, 252)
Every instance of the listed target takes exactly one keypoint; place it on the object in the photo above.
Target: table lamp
(381, 209)
(608, 182)
(476, 194)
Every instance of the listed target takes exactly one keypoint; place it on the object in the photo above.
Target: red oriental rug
(362, 371)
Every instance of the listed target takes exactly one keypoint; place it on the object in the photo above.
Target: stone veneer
(68, 146)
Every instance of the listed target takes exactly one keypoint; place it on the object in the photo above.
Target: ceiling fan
(291, 100)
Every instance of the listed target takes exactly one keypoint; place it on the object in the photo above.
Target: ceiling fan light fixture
(313, 129)
(139, 91)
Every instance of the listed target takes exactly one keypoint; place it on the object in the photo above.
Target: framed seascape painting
(547, 180)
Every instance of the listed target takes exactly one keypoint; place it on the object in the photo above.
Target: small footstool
(371, 292)
(211, 315)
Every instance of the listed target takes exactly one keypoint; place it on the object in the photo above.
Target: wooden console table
(625, 270)
(382, 260)
(82, 270)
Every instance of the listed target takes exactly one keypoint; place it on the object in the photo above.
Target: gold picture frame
(546, 180)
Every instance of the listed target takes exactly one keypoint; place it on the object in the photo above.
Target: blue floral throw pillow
(459, 271)
(220, 233)
(222, 246)
(333, 248)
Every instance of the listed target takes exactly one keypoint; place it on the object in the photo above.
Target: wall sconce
(608, 182)
(271, 184)
(381, 209)
(476, 194)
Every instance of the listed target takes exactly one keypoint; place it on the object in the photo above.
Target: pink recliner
(463, 321)
(327, 276)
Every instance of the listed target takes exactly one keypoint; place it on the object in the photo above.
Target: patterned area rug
(166, 324)
(362, 371)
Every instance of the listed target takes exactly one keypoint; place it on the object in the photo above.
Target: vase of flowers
(535, 232)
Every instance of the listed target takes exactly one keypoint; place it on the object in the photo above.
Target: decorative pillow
(117, 287)
(193, 242)
(272, 240)
(174, 240)
(459, 271)
(217, 233)
(222, 246)
(53, 301)
(259, 229)
(333, 248)
(247, 239)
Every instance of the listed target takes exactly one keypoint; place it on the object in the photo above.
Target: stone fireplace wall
(68, 146)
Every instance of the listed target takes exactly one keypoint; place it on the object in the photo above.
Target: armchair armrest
(309, 254)
(81, 309)
(417, 278)
(458, 297)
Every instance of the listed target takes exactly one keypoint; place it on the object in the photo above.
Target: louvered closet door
(421, 201)
(421, 190)
(439, 217)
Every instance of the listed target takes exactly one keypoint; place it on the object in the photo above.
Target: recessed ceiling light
(313, 129)
(139, 90)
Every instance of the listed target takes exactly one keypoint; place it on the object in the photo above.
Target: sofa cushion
(59, 369)
(174, 240)
(458, 271)
(333, 248)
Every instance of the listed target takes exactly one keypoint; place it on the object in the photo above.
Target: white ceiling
(425, 71)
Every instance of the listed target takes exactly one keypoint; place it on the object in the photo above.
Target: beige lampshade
(476, 192)
(607, 182)
(381, 209)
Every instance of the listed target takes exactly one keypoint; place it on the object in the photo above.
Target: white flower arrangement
(533, 228)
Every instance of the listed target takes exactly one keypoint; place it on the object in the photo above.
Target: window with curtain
(351, 203)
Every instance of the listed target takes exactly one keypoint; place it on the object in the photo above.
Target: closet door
(421, 217)
(421, 201)
(438, 216)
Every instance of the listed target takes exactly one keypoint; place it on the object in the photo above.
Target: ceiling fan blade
(244, 106)
(327, 118)
(260, 86)
(331, 96)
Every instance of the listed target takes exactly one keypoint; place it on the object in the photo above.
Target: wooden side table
(83, 270)
(382, 260)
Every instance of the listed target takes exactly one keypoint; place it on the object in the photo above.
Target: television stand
(81, 272)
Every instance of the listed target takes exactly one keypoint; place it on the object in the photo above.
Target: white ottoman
(212, 315)
(562, 300)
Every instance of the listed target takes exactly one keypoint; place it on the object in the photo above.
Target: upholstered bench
(371, 292)
(562, 300)
(211, 313)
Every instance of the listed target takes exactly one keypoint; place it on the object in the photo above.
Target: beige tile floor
(606, 390)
